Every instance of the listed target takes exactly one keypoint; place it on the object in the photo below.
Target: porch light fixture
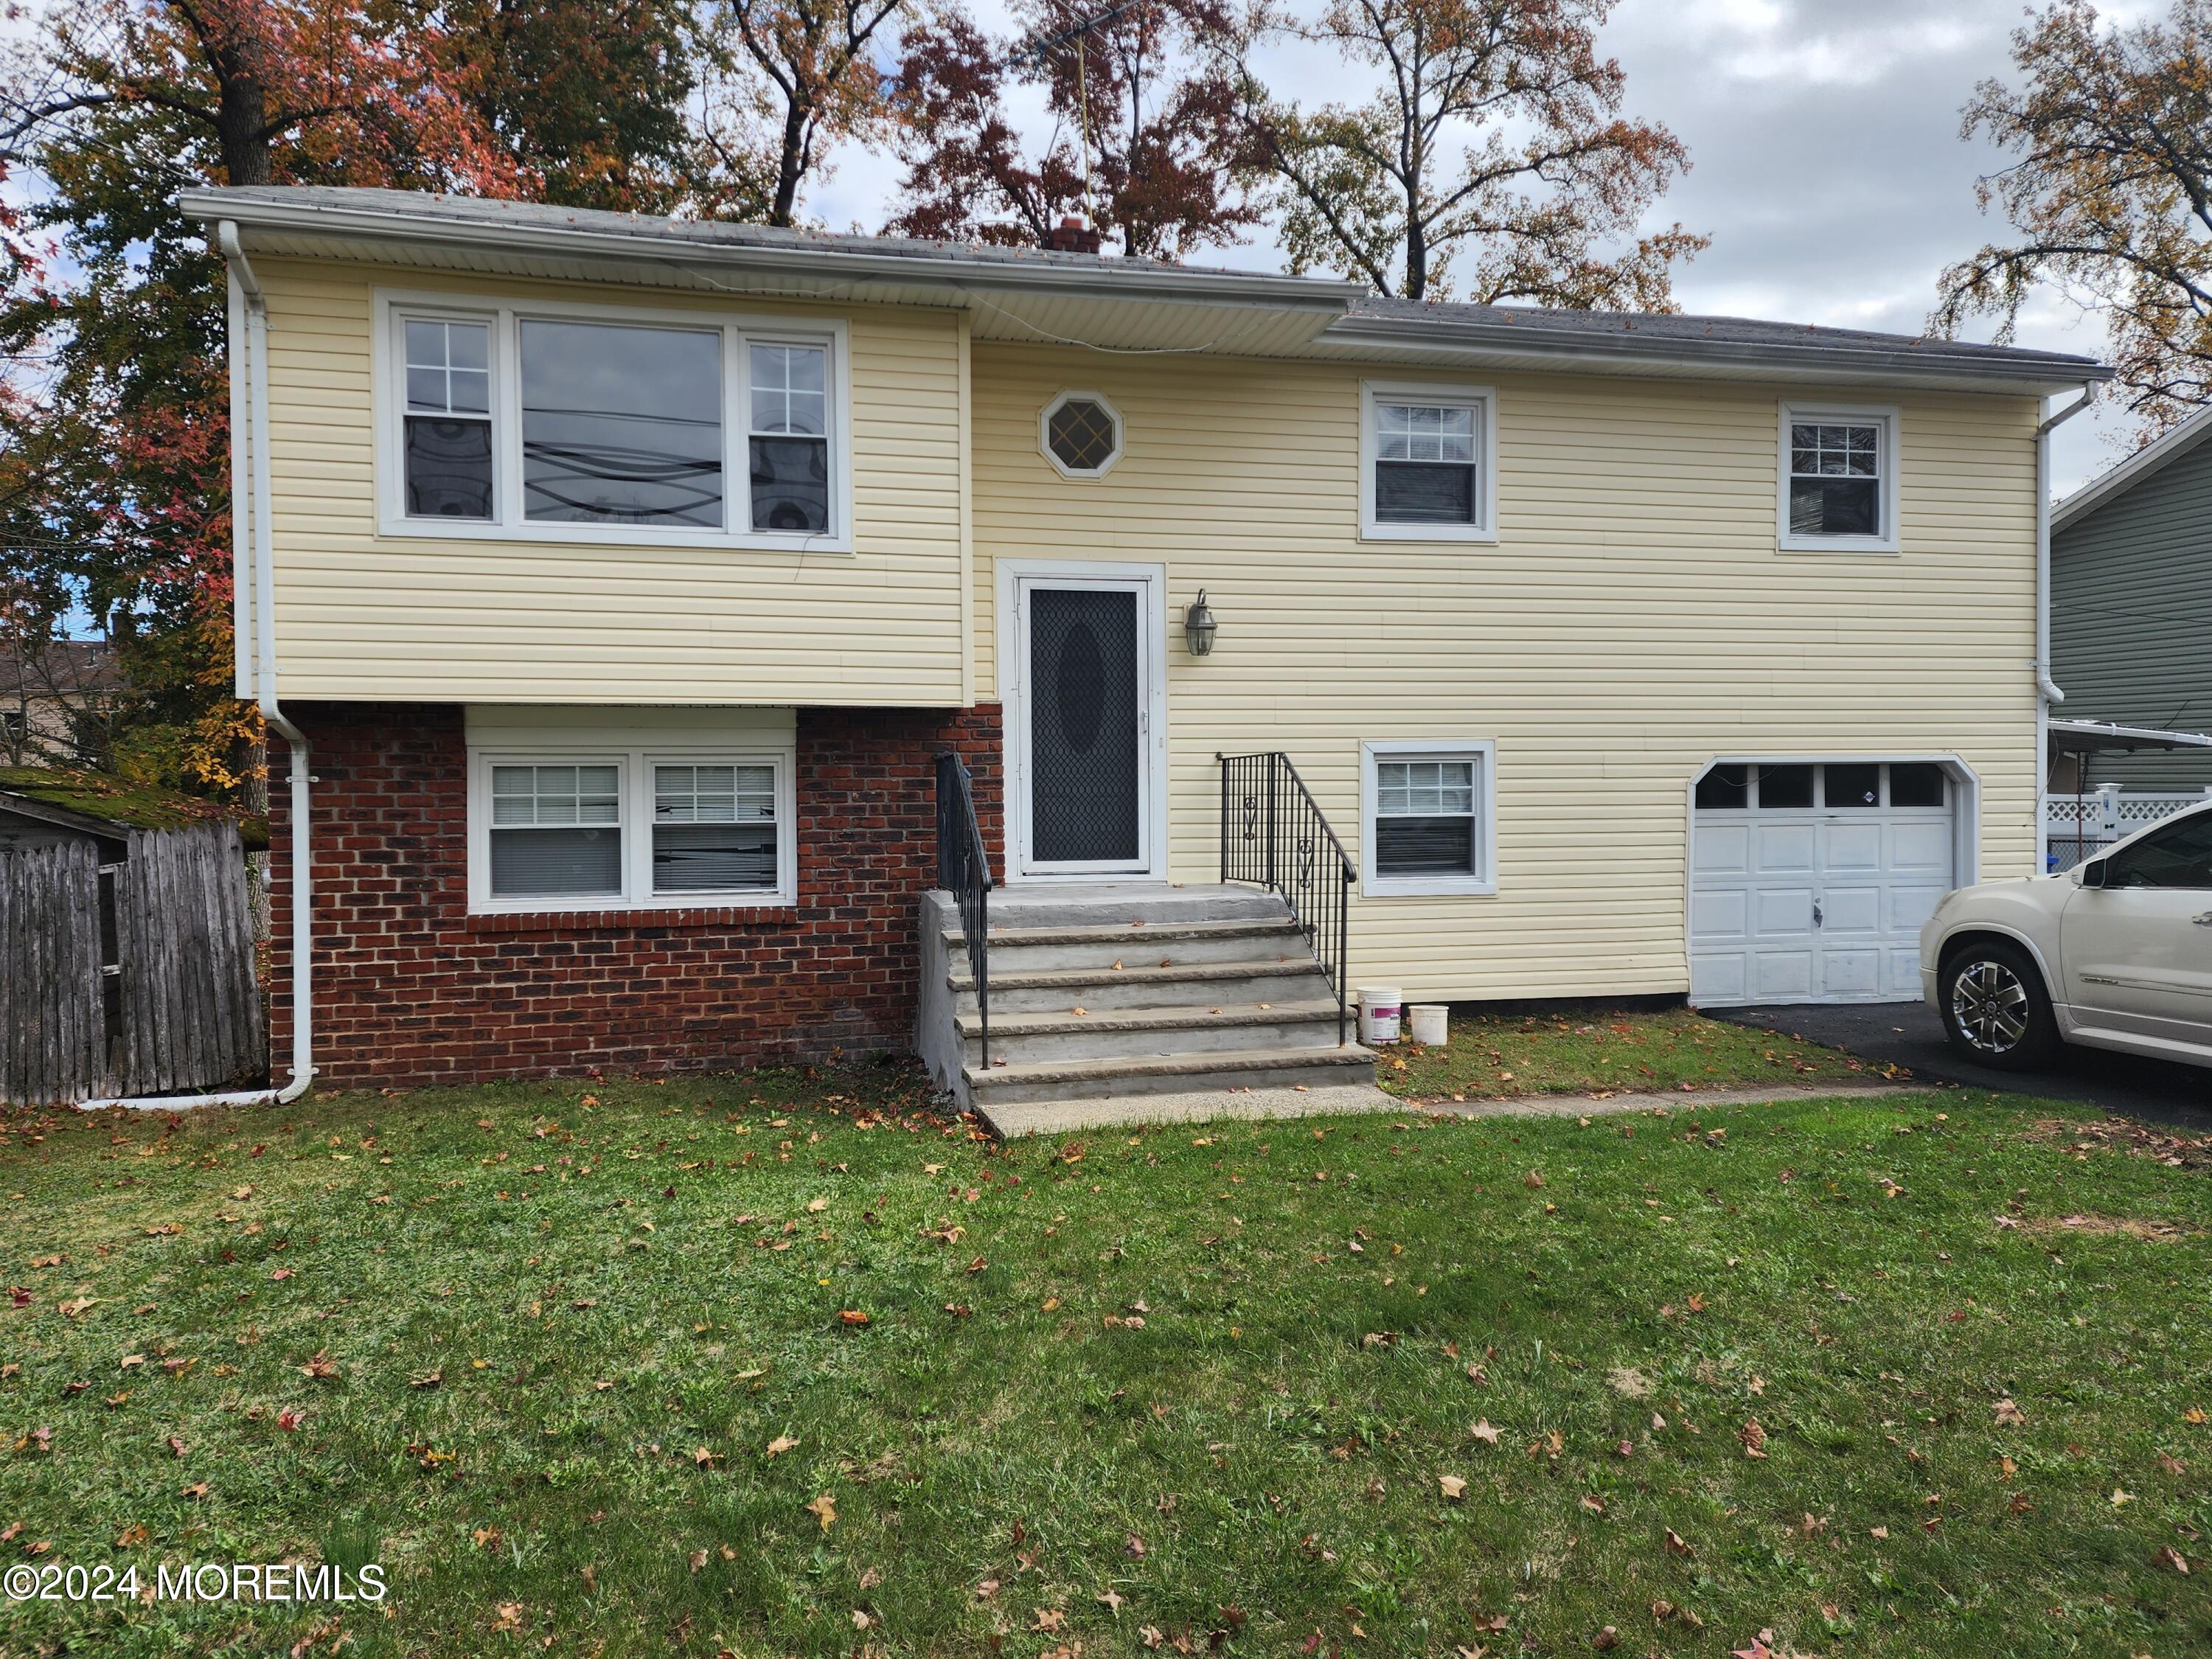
(1198, 627)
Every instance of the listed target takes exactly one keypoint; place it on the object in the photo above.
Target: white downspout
(252, 544)
(2046, 690)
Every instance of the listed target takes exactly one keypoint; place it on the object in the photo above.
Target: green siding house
(2131, 608)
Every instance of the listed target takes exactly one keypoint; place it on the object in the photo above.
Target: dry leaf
(1675, 1546)
(1754, 1437)
(2008, 1414)
(1455, 1487)
(823, 1510)
(2168, 1556)
(852, 1316)
(1482, 1431)
(782, 1443)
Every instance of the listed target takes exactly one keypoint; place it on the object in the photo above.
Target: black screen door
(1085, 739)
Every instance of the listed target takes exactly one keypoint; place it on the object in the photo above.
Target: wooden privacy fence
(135, 978)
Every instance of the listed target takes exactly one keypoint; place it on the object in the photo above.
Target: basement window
(631, 829)
(1427, 818)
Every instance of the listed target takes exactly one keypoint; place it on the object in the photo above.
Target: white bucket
(1380, 1007)
(1428, 1023)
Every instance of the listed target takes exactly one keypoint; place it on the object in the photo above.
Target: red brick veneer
(411, 989)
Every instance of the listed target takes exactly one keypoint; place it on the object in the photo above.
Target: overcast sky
(1827, 164)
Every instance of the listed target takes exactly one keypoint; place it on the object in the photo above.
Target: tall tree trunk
(241, 122)
(792, 165)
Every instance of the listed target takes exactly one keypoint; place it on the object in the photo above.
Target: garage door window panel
(1785, 787)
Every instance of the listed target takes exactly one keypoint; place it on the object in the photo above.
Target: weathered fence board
(189, 1014)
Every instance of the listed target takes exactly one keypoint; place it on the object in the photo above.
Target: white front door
(1810, 882)
(2138, 951)
(1084, 736)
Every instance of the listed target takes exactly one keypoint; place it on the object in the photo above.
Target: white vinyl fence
(2078, 827)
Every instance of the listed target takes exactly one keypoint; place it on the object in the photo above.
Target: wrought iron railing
(963, 870)
(1274, 837)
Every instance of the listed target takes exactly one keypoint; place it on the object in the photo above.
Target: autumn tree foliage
(1489, 162)
(115, 445)
(1153, 95)
(2110, 197)
(814, 80)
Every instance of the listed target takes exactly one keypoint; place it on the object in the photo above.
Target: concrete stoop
(1114, 1004)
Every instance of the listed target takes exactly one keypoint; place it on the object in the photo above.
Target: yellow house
(625, 580)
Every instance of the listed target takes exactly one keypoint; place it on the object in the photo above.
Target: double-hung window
(1428, 820)
(1839, 484)
(576, 423)
(631, 829)
(1427, 462)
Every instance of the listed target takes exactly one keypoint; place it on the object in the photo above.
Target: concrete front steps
(1105, 996)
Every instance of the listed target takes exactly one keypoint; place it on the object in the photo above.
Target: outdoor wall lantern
(1198, 626)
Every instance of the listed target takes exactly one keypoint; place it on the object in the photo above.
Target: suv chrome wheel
(1990, 1006)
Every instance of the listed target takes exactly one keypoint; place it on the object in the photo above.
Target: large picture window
(605, 424)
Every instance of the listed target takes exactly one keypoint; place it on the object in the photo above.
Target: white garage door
(1808, 883)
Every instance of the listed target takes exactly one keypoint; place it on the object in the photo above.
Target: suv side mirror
(2093, 873)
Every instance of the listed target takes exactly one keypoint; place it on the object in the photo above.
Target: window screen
(1425, 467)
(790, 438)
(620, 425)
(714, 827)
(555, 831)
(1425, 817)
(448, 429)
(1835, 478)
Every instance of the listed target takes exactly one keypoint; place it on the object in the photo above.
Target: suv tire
(1995, 1007)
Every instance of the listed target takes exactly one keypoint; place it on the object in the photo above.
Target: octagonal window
(1081, 435)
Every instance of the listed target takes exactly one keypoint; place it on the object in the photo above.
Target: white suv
(2116, 954)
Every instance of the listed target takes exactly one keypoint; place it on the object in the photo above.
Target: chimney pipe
(1071, 236)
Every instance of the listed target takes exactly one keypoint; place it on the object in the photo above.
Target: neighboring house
(2131, 611)
(54, 696)
(628, 575)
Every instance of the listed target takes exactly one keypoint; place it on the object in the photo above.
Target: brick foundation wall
(411, 989)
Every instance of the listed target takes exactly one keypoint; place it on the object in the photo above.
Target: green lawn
(1502, 1056)
(581, 1368)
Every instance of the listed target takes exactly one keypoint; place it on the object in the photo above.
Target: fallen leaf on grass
(1112, 1600)
(2168, 1556)
(134, 1534)
(1455, 1487)
(1607, 1637)
(427, 1380)
(852, 1316)
(2008, 1413)
(1754, 1437)
(986, 1589)
(1675, 1546)
(782, 1443)
(320, 1366)
(823, 1509)
(1758, 1650)
(698, 1558)
(1047, 1618)
(510, 1618)
(1482, 1431)
(197, 1489)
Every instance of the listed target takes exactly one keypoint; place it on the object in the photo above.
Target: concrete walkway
(1210, 1105)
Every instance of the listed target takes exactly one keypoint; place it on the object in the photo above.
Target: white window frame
(1484, 401)
(1483, 751)
(636, 764)
(1045, 434)
(735, 332)
(1884, 416)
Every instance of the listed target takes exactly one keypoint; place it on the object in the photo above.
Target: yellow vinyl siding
(361, 615)
(1633, 621)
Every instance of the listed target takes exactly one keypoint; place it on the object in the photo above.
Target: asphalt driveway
(1908, 1034)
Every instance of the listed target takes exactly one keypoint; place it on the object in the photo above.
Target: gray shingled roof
(1368, 320)
(1656, 333)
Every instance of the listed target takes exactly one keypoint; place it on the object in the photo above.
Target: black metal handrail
(963, 870)
(1273, 836)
